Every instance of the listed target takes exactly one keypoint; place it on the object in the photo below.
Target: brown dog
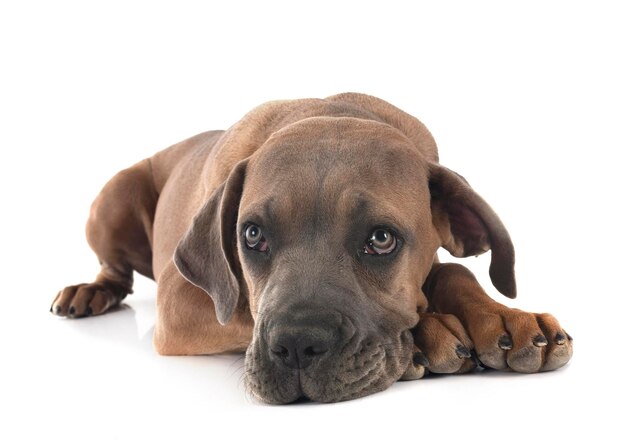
(313, 227)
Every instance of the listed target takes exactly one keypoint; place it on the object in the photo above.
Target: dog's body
(313, 226)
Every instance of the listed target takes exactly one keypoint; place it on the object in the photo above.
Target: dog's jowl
(306, 235)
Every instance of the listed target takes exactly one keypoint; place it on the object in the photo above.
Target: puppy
(306, 235)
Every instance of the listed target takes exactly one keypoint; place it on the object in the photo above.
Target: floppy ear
(468, 226)
(206, 255)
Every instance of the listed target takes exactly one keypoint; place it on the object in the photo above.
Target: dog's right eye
(254, 238)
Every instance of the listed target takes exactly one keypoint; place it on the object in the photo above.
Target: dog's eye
(254, 238)
(381, 241)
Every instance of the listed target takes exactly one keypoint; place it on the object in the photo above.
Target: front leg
(186, 322)
(503, 338)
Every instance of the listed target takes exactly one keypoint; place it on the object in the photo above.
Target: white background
(526, 100)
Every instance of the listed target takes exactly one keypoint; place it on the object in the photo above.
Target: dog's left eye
(254, 238)
(380, 241)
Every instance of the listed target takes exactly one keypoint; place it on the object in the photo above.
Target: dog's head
(330, 230)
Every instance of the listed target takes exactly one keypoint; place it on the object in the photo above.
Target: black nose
(297, 348)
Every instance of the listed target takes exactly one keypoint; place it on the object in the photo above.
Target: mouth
(361, 367)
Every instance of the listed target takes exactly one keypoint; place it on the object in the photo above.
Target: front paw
(520, 341)
(87, 299)
(441, 346)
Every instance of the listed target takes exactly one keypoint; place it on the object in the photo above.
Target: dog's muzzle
(322, 355)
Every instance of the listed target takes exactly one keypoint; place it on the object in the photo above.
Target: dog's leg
(187, 324)
(119, 230)
(503, 338)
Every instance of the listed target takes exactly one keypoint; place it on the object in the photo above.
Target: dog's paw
(418, 367)
(87, 299)
(444, 346)
(520, 341)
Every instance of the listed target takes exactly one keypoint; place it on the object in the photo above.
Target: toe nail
(88, 311)
(505, 343)
(463, 352)
(420, 359)
(72, 310)
(569, 337)
(50, 308)
(477, 361)
(540, 341)
(560, 339)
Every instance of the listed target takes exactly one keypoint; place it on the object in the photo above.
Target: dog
(306, 235)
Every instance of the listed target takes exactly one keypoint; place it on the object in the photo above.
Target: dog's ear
(468, 226)
(207, 254)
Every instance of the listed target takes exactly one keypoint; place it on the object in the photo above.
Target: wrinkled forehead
(326, 165)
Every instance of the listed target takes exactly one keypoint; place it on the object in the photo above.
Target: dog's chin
(358, 370)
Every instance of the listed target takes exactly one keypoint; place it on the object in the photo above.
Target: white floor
(100, 378)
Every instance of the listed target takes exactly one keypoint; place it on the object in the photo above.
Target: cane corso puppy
(306, 235)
